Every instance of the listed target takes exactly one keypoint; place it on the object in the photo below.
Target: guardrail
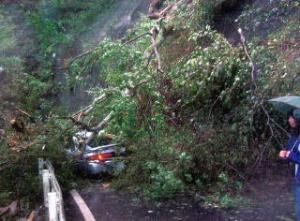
(53, 199)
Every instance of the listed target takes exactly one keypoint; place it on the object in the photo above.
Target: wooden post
(52, 197)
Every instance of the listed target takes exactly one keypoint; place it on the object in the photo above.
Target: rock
(2, 133)
(155, 5)
(17, 124)
(274, 10)
(257, 24)
(224, 5)
(228, 4)
(106, 185)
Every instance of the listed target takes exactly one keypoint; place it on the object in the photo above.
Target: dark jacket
(293, 145)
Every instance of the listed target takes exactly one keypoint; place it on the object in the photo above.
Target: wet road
(272, 200)
(111, 205)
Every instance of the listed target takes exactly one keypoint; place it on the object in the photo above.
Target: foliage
(19, 180)
(163, 183)
(36, 91)
(211, 73)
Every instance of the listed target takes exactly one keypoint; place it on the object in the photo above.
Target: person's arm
(292, 141)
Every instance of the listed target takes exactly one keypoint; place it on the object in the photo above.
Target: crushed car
(95, 160)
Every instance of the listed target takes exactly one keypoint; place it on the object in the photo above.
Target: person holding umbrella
(290, 105)
(293, 153)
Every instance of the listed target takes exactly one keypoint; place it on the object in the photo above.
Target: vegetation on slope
(200, 122)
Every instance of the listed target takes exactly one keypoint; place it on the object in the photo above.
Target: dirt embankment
(256, 18)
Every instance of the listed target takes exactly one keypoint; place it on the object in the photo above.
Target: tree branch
(136, 38)
(85, 111)
(155, 32)
(253, 65)
(79, 56)
(103, 123)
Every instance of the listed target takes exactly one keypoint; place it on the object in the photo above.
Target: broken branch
(79, 123)
(79, 56)
(253, 65)
(89, 108)
(154, 32)
(103, 123)
(24, 112)
(136, 38)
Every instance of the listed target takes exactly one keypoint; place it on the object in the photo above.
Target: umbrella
(286, 103)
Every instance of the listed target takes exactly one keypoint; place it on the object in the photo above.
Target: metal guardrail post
(41, 167)
(53, 199)
(46, 186)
